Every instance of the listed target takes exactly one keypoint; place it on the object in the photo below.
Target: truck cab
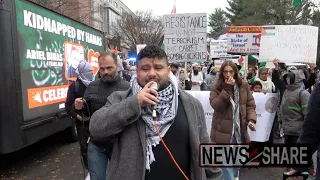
(39, 49)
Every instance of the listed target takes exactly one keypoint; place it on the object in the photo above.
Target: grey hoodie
(293, 107)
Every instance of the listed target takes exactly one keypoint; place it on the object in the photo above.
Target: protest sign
(289, 43)
(218, 48)
(203, 97)
(185, 37)
(244, 39)
(266, 108)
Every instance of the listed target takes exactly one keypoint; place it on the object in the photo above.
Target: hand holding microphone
(148, 95)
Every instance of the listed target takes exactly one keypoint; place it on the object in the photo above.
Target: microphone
(154, 86)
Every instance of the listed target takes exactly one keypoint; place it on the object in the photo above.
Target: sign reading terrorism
(185, 37)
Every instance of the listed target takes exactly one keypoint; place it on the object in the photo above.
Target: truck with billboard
(40, 50)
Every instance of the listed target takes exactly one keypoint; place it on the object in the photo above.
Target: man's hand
(79, 117)
(230, 81)
(78, 104)
(148, 95)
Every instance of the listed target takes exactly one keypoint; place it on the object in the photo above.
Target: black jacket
(310, 132)
(72, 95)
(96, 97)
(278, 83)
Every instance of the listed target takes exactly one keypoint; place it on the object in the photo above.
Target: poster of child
(73, 54)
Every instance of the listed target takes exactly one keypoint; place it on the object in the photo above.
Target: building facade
(106, 18)
(100, 14)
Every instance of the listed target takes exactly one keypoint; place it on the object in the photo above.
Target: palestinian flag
(115, 51)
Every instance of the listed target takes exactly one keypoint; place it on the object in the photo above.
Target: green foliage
(217, 22)
(273, 12)
(264, 12)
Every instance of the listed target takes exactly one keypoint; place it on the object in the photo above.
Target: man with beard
(94, 98)
(196, 77)
(140, 117)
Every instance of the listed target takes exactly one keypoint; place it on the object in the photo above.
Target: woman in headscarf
(85, 76)
(265, 80)
(234, 111)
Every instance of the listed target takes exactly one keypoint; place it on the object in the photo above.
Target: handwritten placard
(244, 39)
(185, 37)
(289, 43)
(219, 48)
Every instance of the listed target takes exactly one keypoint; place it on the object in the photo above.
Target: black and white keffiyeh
(166, 113)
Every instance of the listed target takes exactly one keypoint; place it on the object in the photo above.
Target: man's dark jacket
(96, 96)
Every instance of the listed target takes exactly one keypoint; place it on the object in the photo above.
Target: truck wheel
(72, 133)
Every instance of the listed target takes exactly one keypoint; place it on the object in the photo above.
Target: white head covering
(84, 72)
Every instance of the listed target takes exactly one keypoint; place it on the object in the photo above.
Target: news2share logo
(256, 155)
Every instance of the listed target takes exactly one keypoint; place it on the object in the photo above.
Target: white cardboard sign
(289, 43)
(244, 39)
(218, 49)
(185, 37)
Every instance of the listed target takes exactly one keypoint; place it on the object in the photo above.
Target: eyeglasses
(228, 72)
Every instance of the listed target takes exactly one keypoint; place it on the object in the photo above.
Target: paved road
(52, 158)
(55, 159)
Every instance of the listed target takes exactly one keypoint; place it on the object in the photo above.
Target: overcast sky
(161, 7)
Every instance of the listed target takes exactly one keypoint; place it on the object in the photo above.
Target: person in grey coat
(128, 119)
(211, 78)
(294, 105)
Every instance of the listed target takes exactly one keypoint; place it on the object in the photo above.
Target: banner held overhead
(289, 43)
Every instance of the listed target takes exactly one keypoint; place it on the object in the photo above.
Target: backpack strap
(300, 92)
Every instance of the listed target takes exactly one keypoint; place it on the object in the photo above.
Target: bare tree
(142, 27)
(79, 11)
